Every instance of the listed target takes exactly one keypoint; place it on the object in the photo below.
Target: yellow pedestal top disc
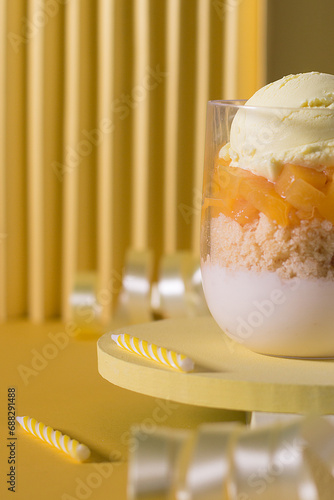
(226, 374)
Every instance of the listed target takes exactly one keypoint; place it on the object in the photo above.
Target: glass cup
(267, 235)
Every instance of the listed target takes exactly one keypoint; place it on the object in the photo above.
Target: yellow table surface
(56, 380)
(226, 375)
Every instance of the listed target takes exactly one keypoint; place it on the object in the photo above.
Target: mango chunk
(224, 162)
(329, 171)
(261, 194)
(292, 173)
(244, 213)
(225, 183)
(217, 207)
(303, 196)
(305, 214)
(295, 216)
(326, 207)
(241, 211)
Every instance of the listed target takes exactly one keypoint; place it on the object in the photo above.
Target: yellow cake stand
(227, 375)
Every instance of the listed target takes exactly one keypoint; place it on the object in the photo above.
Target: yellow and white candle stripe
(151, 351)
(61, 441)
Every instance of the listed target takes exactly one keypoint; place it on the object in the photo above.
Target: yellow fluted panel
(262, 49)
(122, 113)
(202, 96)
(171, 128)
(76, 198)
(18, 37)
(186, 129)
(106, 30)
(249, 48)
(140, 147)
(71, 140)
(87, 145)
(230, 14)
(3, 208)
(156, 88)
(217, 45)
(53, 154)
(244, 55)
(35, 164)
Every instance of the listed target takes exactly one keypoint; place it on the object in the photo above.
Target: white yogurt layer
(269, 315)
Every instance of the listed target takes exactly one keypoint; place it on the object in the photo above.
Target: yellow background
(37, 236)
(57, 382)
(51, 228)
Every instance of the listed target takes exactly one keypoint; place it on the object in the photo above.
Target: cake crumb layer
(305, 251)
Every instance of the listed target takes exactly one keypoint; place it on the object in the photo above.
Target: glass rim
(240, 104)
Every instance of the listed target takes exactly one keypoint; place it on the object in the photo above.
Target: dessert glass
(267, 246)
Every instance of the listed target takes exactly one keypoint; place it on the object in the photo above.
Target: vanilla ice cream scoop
(288, 121)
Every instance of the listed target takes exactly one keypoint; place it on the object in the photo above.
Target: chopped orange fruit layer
(329, 171)
(225, 180)
(241, 211)
(291, 173)
(223, 162)
(217, 207)
(326, 207)
(306, 214)
(261, 194)
(299, 193)
(244, 213)
(303, 196)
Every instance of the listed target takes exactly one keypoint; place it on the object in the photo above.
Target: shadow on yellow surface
(56, 381)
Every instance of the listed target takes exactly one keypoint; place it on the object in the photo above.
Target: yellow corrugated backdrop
(102, 119)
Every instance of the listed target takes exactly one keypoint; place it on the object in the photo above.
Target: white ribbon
(177, 292)
(85, 309)
(153, 466)
(231, 462)
(134, 301)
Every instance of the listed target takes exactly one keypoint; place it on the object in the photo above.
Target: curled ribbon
(178, 292)
(134, 301)
(231, 462)
(152, 466)
(209, 463)
(85, 309)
